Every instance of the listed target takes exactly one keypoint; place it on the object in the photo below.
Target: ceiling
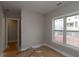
(37, 6)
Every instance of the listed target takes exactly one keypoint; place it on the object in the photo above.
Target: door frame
(6, 40)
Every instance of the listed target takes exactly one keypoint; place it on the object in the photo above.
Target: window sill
(66, 45)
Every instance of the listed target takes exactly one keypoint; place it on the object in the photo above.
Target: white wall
(69, 8)
(32, 28)
(2, 30)
(12, 30)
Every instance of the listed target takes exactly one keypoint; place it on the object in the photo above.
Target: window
(59, 24)
(59, 36)
(59, 30)
(67, 27)
(72, 23)
(72, 38)
(72, 32)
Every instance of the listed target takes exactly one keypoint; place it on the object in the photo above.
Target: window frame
(58, 30)
(64, 30)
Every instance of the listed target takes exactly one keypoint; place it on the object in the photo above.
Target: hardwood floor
(11, 50)
(42, 51)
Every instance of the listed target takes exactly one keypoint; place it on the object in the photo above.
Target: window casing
(68, 31)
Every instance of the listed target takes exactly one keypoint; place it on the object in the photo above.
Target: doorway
(13, 33)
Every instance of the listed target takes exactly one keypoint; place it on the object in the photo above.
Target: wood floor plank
(42, 51)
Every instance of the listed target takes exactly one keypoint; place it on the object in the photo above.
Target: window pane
(59, 24)
(73, 38)
(72, 23)
(59, 36)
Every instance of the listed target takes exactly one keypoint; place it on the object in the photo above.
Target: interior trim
(62, 52)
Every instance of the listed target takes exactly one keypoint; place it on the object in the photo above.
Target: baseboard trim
(44, 44)
(34, 47)
(37, 46)
(64, 53)
(12, 41)
(24, 49)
